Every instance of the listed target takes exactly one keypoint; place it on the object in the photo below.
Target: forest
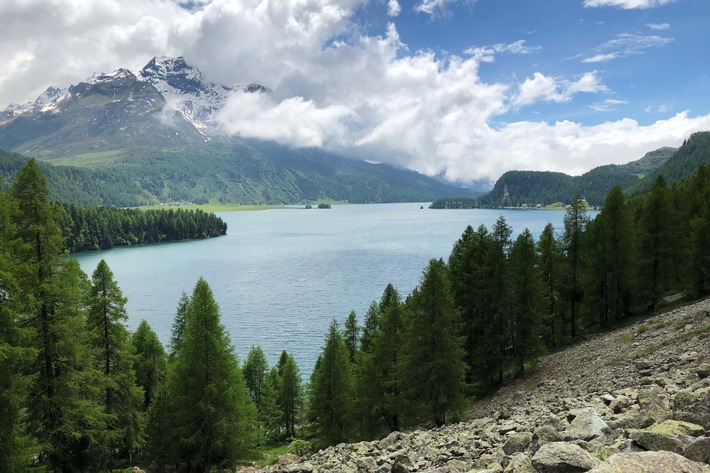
(79, 392)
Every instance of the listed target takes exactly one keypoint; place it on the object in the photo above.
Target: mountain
(515, 188)
(152, 132)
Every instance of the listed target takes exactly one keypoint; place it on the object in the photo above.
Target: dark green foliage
(656, 227)
(575, 224)
(62, 414)
(270, 415)
(178, 329)
(255, 369)
(456, 203)
(526, 301)
(102, 228)
(122, 399)
(433, 356)
(290, 396)
(612, 262)
(213, 416)
(331, 390)
(351, 335)
(551, 260)
(150, 362)
(15, 355)
(371, 325)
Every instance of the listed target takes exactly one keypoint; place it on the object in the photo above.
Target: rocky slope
(633, 400)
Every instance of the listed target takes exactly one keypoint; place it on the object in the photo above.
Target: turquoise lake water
(281, 276)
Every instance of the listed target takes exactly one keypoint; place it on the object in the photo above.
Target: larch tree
(526, 301)
(575, 222)
(255, 369)
(331, 391)
(63, 416)
(551, 260)
(150, 362)
(123, 399)
(433, 355)
(351, 334)
(213, 414)
(178, 329)
(290, 396)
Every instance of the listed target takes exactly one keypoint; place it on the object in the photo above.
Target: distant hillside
(694, 152)
(515, 188)
(150, 136)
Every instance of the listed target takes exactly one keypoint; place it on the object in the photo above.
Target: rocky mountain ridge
(633, 400)
(182, 87)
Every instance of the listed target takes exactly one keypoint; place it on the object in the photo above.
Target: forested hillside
(79, 392)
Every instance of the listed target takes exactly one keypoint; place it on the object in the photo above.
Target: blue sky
(464, 89)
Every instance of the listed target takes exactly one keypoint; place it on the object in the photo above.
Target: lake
(281, 276)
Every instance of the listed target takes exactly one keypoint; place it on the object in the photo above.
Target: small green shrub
(300, 447)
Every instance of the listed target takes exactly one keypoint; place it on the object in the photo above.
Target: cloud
(659, 26)
(627, 4)
(487, 53)
(608, 105)
(334, 86)
(393, 8)
(436, 8)
(626, 44)
(547, 89)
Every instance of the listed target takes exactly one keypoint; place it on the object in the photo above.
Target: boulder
(517, 442)
(586, 425)
(655, 441)
(562, 457)
(678, 428)
(698, 450)
(649, 462)
(654, 402)
(519, 463)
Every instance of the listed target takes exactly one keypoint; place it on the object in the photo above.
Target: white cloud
(659, 26)
(335, 87)
(608, 105)
(393, 8)
(548, 89)
(627, 4)
(437, 8)
(626, 44)
(487, 53)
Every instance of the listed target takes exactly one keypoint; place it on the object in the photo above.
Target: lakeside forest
(79, 392)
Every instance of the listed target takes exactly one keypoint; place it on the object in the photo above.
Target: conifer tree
(351, 334)
(551, 258)
(331, 391)
(62, 414)
(656, 241)
(15, 355)
(122, 399)
(371, 324)
(150, 362)
(575, 222)
(433, 355)
(213, 414)
(270, 415)
(385, 362)
(178, 328)
(290, 396)
(526, 296)
(255, 369)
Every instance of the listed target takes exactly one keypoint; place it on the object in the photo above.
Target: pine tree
(62, 414)
(433, 355)
(255, 369)
(331, 391)
(15, 355)
(270, 415)
(213, 414)
(122, 399)
(351, 334)
(551, 257)
(178, 329)
(526, 300)
(385, 362)
(150, 362)
(290, 396)
(656, 242)
(371, 324)
(575, 222)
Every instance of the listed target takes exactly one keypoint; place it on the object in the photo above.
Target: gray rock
(563, 457)
(519, 463)
(649, 462)
(654, 401)
(698, 450)
(657, 441)
(518, 442)
(586, 425)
